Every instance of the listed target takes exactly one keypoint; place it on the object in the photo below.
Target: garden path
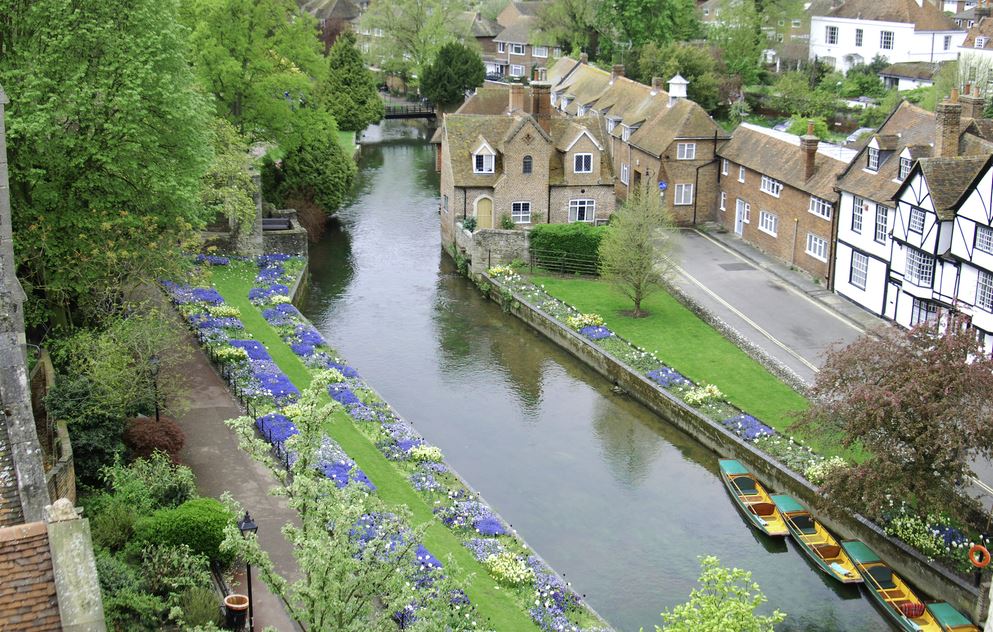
(220, 465)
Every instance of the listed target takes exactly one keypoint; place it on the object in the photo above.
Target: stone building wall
(603, 195)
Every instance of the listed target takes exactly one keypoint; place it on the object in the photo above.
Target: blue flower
(747, 427)
(666, 377)
(489, 525)
(596, 333)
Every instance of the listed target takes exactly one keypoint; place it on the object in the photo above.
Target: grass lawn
(347, 142)
(689, 345)
(496, 606)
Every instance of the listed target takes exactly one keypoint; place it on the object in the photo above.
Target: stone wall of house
(701, 173)
(603, 194)
(515, 185)
(909, 563)
(795, 220)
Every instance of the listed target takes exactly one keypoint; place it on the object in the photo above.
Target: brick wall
(560, 195)
(516, 186)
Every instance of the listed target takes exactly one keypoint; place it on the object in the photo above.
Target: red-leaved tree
(920, 403)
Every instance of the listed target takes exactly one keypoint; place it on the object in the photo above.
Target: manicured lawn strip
(347, 142)
(692, 347)
(495, 604)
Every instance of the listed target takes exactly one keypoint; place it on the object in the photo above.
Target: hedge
(576, 238)
(198, 523)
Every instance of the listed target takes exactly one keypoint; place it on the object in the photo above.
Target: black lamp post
(153, 367)
(246, 525)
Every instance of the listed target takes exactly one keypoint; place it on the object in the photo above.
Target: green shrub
(168, 570)
(150, 484)
(114, 573)
(507, 223)
(201, 607)
(113, 525)
(578, 238)
(131, 610)
(198, 523)
(469, 224)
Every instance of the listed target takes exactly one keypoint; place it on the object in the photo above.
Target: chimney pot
(541, 103)
(809, 143)
(954, 96)
(618, 71)
(584, 58)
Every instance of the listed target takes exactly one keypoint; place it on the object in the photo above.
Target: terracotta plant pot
(235, 611)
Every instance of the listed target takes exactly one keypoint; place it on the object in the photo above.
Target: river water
(610, 495)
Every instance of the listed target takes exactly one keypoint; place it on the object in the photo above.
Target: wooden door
(484, 213)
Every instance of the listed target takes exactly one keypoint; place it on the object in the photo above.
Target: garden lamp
(246, 525)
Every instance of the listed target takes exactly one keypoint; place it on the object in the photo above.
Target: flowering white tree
(358, 558)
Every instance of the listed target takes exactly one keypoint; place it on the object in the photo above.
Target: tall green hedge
(198, 523)
(577, 238)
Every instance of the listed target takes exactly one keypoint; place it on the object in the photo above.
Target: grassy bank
(347, 142)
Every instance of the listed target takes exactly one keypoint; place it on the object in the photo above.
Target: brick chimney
(808, 143)
(972, 104)
(656, 85)
(618, 71)
(516, 98)
(947, 119)
(584, 58)
(541, 103)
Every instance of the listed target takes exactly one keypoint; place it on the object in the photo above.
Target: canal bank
(619, 501)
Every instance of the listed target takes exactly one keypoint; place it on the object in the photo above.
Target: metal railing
(414, 110)
(563, 262)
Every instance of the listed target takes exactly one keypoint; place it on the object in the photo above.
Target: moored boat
(889, 590)
(752, 499)
(816, 541)
(950, 619)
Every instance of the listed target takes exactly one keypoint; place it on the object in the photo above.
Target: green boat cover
(786, 503)
(860, 552)
(730, 466)
(947, 615)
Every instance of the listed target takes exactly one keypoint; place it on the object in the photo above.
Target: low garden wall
(932, 579)
(488, 247)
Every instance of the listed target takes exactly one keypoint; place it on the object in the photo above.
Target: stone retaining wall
(910, 564)
(488, 247)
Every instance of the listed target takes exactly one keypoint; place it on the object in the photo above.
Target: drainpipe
(796, 227)
(548, 207)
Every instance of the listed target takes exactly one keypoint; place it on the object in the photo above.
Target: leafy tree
(357, 559)
(635, 252)
(490, 9)
(725, 600)
(739, 39)
(573, 25)
(349, 93)
(798, 126)
(228, 189)
(794, 97)
(456, 70)
(860, 81)
(918, 402)
(261, 60)
(695, 65)
(318, 170)
(413, 32)
(642, 21)
(106, 152)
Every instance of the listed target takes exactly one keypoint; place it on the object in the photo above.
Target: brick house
(526, 163)
(517, 51)
(777, 193)
(333, 16)
(654, 135)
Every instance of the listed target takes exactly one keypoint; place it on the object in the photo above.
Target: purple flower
(424, 482)
(276, 428)
(345, 370)
(308, 335)
(213, 260)
(596, 333)
(342, 394)
(666, 377)
(254, 349)
(302, 349)
(747, 427)
(482, 548)
(425, 558)
(489, 525)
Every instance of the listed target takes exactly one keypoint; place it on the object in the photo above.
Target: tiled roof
(28, 599)
(518, 32)
(562, 67)
(779, 155)
(487, 100)
(984, 28)
(331, 9)
(11, 511)
(924, 18)
(585, 85)
(530, 7)
(911, 70)
(480, 26)
(685, 119)
(948, 179)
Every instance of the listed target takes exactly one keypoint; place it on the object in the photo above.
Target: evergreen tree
(109, 140)
(349, 92)
(456, 70)
(317, 170)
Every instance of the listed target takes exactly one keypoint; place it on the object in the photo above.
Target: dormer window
(872, 159)
(483, 159)
(611, 124)
(583, 163)
(981, 42)
(581, 110)
(904, 168)
(554, 98)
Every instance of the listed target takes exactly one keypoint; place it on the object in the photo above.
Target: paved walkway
(778, 309)
(220, 465)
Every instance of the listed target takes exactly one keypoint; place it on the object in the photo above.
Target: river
(610, 495)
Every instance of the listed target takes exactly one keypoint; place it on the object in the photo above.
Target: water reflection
(618, 500)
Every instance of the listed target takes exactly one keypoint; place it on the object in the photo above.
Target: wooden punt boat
(950, 619)
(890, 592)
(751, 498)
(816, 541)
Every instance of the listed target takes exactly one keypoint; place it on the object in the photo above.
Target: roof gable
(924, 18)
(584, 132)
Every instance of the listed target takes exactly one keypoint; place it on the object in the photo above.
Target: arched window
(527, 164)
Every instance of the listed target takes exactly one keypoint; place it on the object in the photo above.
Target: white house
(977, 47)
(855, 31)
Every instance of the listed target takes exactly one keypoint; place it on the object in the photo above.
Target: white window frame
(920, 307)
(520, 212)
(771, 186)
(577, 159)
(516, 70)
(587, 205)
(859, 34)
(984, 291)
(916, 220)
(611, 124)
(625, 133)
(984, 239)
(905, 164)
(919, 268)
(724, 201)
(831, 35)
(872, 159)
(724, 166)
(539, 51)
(820, 208)
(685, 151)
(514, 48)
(816, 247)
(683, 195)
(858, 214)
(884, 40)
(741, 173)
(858, 275)
(947, 42)
(487, 166)
(501, 47)
(880, 229)
(769, 223)
(625, 172)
